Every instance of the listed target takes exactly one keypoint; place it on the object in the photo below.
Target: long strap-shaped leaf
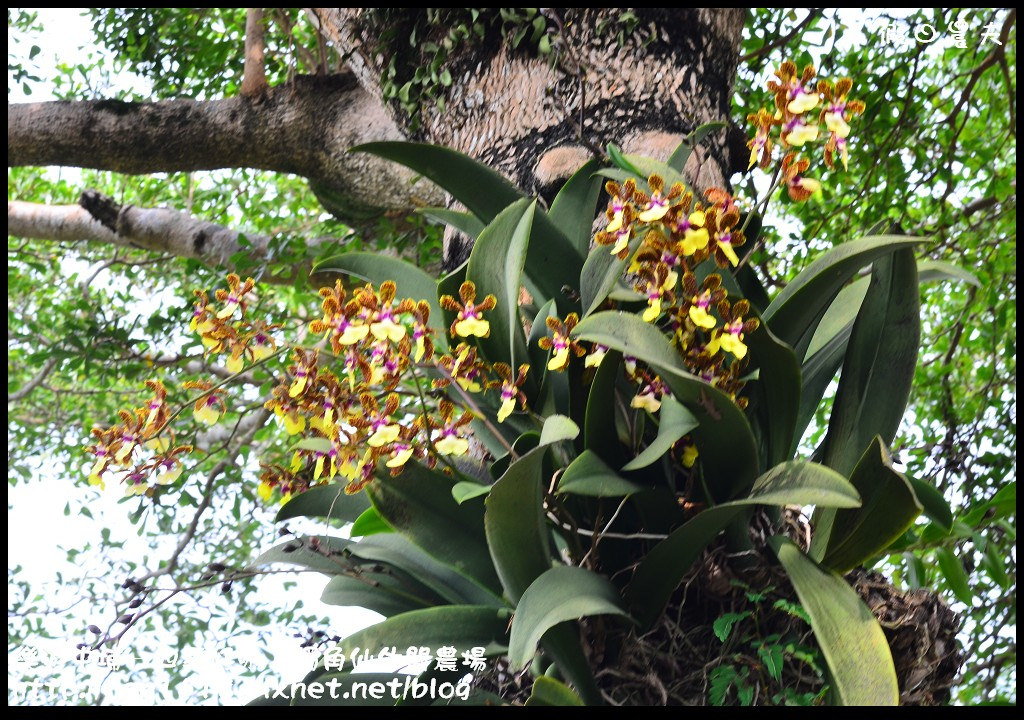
(575, 206)
(419, 504)
(727, 449)
(794, 313)
(850, 638)
(496, 268)
(792, 483)
(559, 595)
(880, 361)
(843, 539)
(552, 256)
(775, 395)
(325, 501)
(518, 538)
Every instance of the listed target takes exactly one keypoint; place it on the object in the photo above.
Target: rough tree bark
(536, 122)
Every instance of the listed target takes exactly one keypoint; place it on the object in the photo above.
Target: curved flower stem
(478, 412)
(426, 427)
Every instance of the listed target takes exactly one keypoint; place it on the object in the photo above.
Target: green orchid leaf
(517, 532)
(728, 453)
(575, 206)
(843, 539)
(589, 475)
(880, 361)
(463, 491)
(496, 268)
(601, 273)
(797, 482)
(599, 433)
(397, 552)
(325, 501)
(460, 626)
(937, 270)
(558, 428)
(935, 506)
(558, 595)
(369, 523)
(956, 577)
(674, 422)
(466, 223)
(775, 395)
(795, 312)
(419, 505)
(485, 193)
(548, 692)
(850, 638)
(389, 593)
(619, 159)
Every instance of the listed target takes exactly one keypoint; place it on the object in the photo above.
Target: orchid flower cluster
(796, 99)
(135, 450)
(354, 411)
(374, 390)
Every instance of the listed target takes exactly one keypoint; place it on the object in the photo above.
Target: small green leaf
(771, 658)
(723, 624)
(850, 638)
(558, 428)
(548, 692)
(674, 421)
(956, 577)
(561, 594)
(369, 523)
(589, 475)
(463, 491)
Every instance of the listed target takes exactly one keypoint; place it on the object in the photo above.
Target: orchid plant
(479, 426)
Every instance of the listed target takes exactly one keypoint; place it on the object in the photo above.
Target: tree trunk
(538, 123)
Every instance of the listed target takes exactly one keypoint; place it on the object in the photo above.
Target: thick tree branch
(305, 127)
(98, 218)
(34, 382)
